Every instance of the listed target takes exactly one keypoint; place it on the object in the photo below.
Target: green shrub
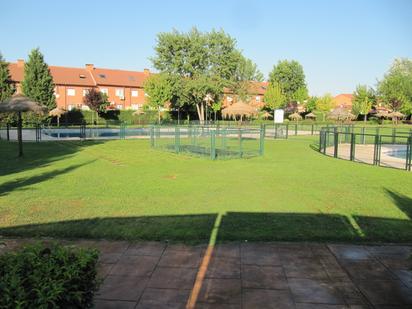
(48, 277)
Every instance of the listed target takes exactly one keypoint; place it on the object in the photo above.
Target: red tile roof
(255, 88)
(87, 76)
(111, 77)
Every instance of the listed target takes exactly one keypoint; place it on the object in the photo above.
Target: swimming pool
(397, 153)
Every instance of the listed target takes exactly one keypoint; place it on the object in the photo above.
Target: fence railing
(390, 150)
(207, 141)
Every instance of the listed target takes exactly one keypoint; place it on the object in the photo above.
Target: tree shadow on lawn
(234, 226)
(23, 183)
(388, 228)
(37, 154)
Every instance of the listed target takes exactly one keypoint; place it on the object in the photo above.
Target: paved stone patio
(251, 275)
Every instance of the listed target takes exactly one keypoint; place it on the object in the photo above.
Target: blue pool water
(401, 153)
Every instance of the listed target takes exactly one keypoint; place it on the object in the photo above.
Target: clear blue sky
(339, 43)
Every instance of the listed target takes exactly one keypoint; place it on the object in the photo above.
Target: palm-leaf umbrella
(57, 112)
(395, 116)
(239, 109)
(310, 116)
(267, 115)
(341, 114)
(138, 112)
(295, 116)
(20, 104)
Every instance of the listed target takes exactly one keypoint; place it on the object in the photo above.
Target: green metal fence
(209, 141)
(390, 150)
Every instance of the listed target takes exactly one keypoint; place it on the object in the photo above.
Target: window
(135, 106)
(135, 93)
(102, 75)
(82, 76)
(71, 92)
(70, 107)
(85, 91)
(257, 98)
(119, 106)
(119, 93)
(104, 91)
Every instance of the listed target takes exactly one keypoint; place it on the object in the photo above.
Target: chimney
(146, 71)
(89, 66)
(20, 63)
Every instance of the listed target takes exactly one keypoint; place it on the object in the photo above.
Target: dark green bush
(52, 276)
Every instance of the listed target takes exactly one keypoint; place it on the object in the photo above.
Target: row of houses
(124, 89)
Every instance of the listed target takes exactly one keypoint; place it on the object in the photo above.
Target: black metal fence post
(336, 143)
(352, 147)
(409, 154)
(8, 131)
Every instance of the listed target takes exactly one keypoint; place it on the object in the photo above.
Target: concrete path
(250, 275)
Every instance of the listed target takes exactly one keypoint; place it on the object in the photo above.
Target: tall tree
(363, 98)
(38, 83)
(300, 95)
(197, 57)
(6, 87)
(311, 104)
(396, 86)
(96, 101)
(274, 97)
(245, 74)
(159, 89)
(290, 76)
(324, 104)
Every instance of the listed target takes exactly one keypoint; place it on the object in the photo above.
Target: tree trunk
(158, 115)
(19, 135)
(200, 113)
(365, 118)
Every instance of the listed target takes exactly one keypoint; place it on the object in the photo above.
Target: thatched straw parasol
(57, 112)
(20, 104)
(310, 116)
(295, 116)
(381, 114)
(341, 114)
(267, 115)
(395, 116)
(238, 109)
(138, 112)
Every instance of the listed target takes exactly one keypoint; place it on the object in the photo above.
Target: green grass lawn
(122, 189)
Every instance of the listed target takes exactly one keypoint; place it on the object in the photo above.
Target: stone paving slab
(158, 275)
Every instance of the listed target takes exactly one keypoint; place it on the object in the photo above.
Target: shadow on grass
(234, 227)
(37, 154)
(23, 183)
(403, 202)
(186, 228)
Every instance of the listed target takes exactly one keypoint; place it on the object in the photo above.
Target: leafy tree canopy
(96, 100)
(274, 97)
(200, 64)
(396, 86)
(324, 103)
(311, 104)
(245, 74)
(363, 99)
(6, 87)
(290, 76)
(38, 82)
